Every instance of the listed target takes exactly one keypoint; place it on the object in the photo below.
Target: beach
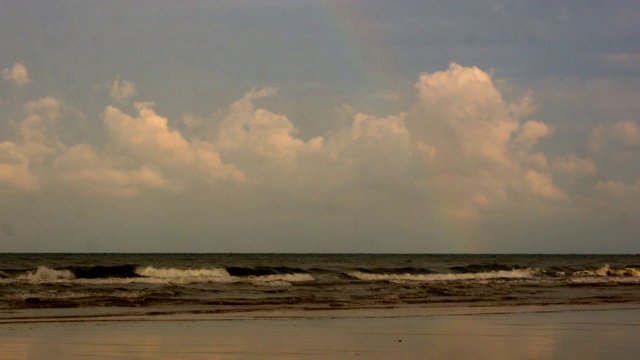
(319, 306)
(603, 332)
(324, 179)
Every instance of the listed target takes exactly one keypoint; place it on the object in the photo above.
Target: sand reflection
(584, 335)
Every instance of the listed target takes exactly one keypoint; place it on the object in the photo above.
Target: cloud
(477, 150)
(614, 188)
(120, 90)
(617, 197)
(625, 133)
(461, 140)
(17, 74)
(598, 138)
(538, 160)
(256, 137)
(35, 143)
(372, 155)
(14, 168)
(38, 130)
(623, 60)
(379, 142)
(142, 154)
(532, 132)
(573, 165)
(80, 167)
(542, 184)
(461, 152)
(147, 139)
(462, 104)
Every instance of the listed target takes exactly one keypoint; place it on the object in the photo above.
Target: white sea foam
(67, 295)
(152, 275)
(172, 273)
(44, 274)
(511, 274)
(607, 271)
(220, 275)
(274, 283)
(280, 279)
(184, 276)
(603, 280)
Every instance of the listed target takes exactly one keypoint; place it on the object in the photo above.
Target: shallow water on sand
(202, 306)
(375, 334)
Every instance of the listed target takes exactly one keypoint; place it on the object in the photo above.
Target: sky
(320, 126)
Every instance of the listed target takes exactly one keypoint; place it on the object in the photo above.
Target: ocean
(224, 283)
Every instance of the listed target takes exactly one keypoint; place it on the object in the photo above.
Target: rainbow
(376, 71)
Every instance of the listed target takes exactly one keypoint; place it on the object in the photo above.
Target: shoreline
(200, 313)
(406, 333)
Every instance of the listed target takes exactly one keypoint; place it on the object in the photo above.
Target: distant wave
(510, 274)
(282, 276)
(482, 268)
(605, 275)
(400, 270)
(248, 282)
(608, 271)
(262, 270)
(101, 272)
(131, 274)
(266, 276)
(171, 273)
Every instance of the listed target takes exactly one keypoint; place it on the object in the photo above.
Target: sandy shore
(603, 333)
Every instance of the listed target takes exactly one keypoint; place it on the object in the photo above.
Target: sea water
(258, 282)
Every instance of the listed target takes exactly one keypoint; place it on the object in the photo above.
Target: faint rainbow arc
(351, 30)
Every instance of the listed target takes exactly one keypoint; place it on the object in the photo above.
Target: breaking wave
(126, 274)
(500, 274)
(44, 274)
(223, 275)
(171, 273)
(608, 271)
(231, 282)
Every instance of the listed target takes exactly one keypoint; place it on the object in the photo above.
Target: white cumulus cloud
(479, 150)
(120, 90)
(14, 168)
(617, 197)
(147, 139)
(542, 184)
(254, 138)
(461, 141)
(39, 129)
(625, 133)
(573, 165)
(17, 74)
(84, 169)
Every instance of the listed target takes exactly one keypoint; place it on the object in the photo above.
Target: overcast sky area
(320, 126)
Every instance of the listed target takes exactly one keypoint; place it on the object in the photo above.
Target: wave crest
(45, 274)
(280, 278)
(608, 271)
(501, 274)
(171, 273)
(220, 275)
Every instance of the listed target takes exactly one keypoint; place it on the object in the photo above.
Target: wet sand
(597, 333)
